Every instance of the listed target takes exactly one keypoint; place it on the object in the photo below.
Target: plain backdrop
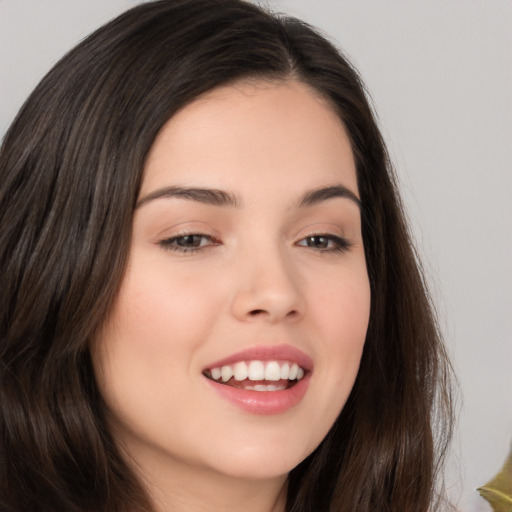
(440, 75)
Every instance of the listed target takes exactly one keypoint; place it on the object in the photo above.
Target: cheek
(342, 304)
(342, 316)
(346, 315)
(339, 312)
(152, 334)
(159, 311)
(144, 355)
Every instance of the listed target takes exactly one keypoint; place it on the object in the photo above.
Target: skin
(255, 279)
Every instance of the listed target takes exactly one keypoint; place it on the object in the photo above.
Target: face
(238, 330)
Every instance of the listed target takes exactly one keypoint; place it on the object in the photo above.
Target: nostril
(262, 312)
(256, 312)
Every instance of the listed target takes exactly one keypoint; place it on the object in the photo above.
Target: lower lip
(263, 402)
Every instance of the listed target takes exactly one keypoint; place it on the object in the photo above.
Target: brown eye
(317, 242)
(188, 243)
(325, 243)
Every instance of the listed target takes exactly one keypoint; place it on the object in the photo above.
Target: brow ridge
(202, 195)
(218, 197)
(316, 196)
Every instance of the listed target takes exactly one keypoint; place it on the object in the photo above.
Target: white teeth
(256, 370)
(272, 371)
(226, 372)
(264, 387)
(240, 371)
(261, 387)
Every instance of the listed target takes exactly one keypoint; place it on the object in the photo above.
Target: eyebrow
(217, 197)
(201, 195)
(323, 194)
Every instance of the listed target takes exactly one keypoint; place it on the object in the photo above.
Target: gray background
(440, 73)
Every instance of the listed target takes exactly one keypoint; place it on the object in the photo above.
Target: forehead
(252, 132)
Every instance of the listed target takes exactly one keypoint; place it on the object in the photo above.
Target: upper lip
(267, 353)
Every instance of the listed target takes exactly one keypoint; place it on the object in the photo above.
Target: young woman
(210, 300)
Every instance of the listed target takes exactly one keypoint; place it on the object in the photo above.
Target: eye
(190, 242)
(325, 243)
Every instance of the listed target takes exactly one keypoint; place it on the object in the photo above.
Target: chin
(263, 459)
(258, 468)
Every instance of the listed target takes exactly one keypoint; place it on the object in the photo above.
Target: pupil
(320, 242)
(189, 241)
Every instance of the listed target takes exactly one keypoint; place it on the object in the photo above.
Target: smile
(258, 375)
(262, 380)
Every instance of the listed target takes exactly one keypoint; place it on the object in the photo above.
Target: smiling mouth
(258, 375)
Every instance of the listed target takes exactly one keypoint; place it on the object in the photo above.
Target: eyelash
(341, 245)
(172, 244)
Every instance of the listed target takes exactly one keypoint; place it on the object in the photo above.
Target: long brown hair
(70, 171)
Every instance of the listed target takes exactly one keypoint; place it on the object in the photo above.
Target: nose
(267, 289)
